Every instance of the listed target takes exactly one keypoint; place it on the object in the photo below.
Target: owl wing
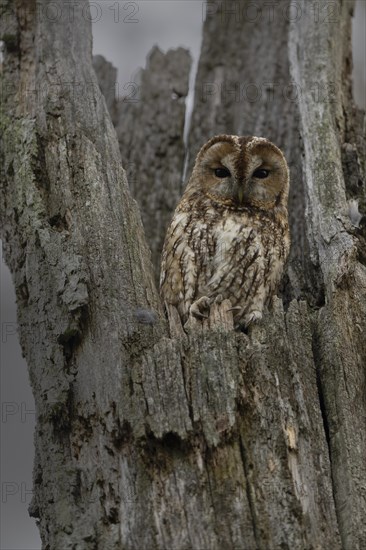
(179, 266)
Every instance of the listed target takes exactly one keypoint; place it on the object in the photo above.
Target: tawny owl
(229, 236)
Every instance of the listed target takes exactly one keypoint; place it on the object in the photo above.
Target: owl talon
(195, 312)
(252, 317)
(236, 308)
(199, 315)
(199, 306)
(219, 299)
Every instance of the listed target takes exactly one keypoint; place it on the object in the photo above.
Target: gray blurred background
(124, 32)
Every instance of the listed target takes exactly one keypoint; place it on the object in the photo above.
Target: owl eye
(222, 173)
(261, 174)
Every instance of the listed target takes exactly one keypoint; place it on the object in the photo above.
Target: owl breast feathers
(229, 236)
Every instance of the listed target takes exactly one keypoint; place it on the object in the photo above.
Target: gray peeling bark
(212, 439)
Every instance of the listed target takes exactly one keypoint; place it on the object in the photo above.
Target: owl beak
(240, 195)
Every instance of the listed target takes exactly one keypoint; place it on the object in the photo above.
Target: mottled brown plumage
(229, 236)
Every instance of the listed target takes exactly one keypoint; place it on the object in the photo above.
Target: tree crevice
(250, 496)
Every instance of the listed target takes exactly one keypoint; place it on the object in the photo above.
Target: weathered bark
(331, 134)
(213, 439)
(149, 120)
(86, 298)
(107, 80)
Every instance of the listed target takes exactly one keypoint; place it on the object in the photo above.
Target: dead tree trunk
(214, 439)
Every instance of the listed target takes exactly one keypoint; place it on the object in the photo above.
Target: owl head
(242, 172)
